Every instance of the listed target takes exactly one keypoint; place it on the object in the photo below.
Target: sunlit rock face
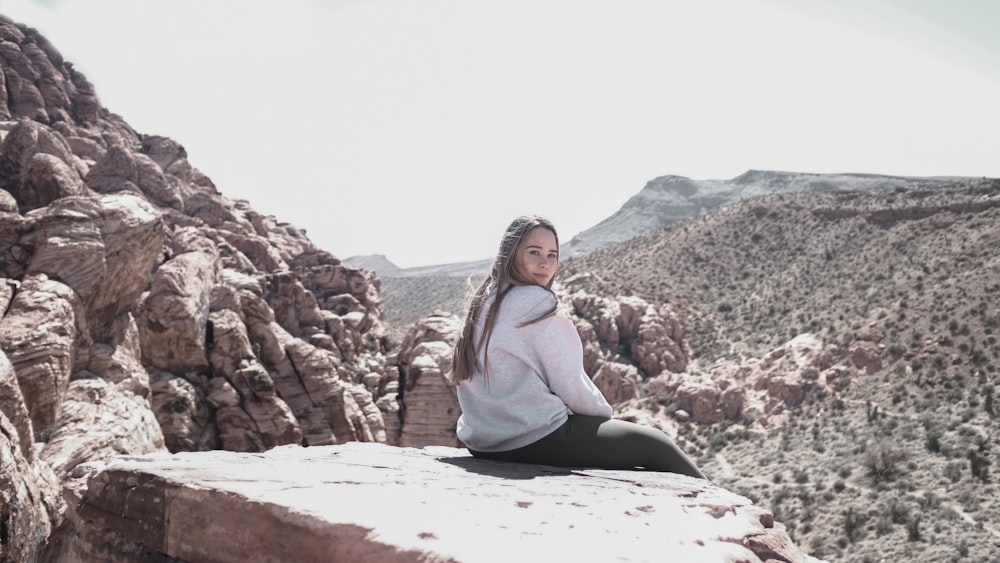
(378, 503)
(143, 311)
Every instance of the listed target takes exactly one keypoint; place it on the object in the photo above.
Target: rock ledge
(377, 503)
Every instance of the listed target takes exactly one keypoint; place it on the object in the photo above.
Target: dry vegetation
(409, 299)
(916, 269)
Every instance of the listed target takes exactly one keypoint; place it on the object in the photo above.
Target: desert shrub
(896, 350)
(913, 529)
(899, 511)
(968, 431)
(883, 525)
(898, 396)
(718, 441)
(854, 523)
(929, 501)
(818, 546)
(933, 439)
(978, 357)
(953, 472)
(972, 401)
(939, 361)
(979, 462)
(969, 498)
(882, 460)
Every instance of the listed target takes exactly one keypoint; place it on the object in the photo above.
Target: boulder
(379, 503)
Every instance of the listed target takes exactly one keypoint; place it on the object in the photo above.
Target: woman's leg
(592, 441)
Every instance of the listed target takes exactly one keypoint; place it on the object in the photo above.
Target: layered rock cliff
(143, 311)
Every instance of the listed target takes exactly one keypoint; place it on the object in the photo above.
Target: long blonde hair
(503, 276)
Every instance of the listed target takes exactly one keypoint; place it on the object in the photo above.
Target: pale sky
(419, 129)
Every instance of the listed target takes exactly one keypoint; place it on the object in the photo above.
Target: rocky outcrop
(377, 503)
(413, 392)
(142, 311)
(626, 340)
(30, 503)
(761, 391)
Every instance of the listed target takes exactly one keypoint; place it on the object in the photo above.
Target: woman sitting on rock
(518, 367)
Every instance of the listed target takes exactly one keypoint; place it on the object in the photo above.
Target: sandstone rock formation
(377, 503)
(143, 311)
(413, 388)
(759, 391)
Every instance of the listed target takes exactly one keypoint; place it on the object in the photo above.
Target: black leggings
(594, 441)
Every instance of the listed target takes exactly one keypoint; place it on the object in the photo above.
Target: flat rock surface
(372, 502)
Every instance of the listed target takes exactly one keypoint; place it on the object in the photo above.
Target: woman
(518, 367)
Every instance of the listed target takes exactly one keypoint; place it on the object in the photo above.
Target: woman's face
(538, 256)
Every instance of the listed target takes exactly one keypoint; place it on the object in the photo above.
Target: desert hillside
(895, 462)
(668, 199)
(756, 273)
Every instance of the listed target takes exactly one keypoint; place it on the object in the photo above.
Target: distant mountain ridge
(663, 201)
(385, 268)
(669, 199)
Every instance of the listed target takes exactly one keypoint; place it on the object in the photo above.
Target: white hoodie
(535, 376)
